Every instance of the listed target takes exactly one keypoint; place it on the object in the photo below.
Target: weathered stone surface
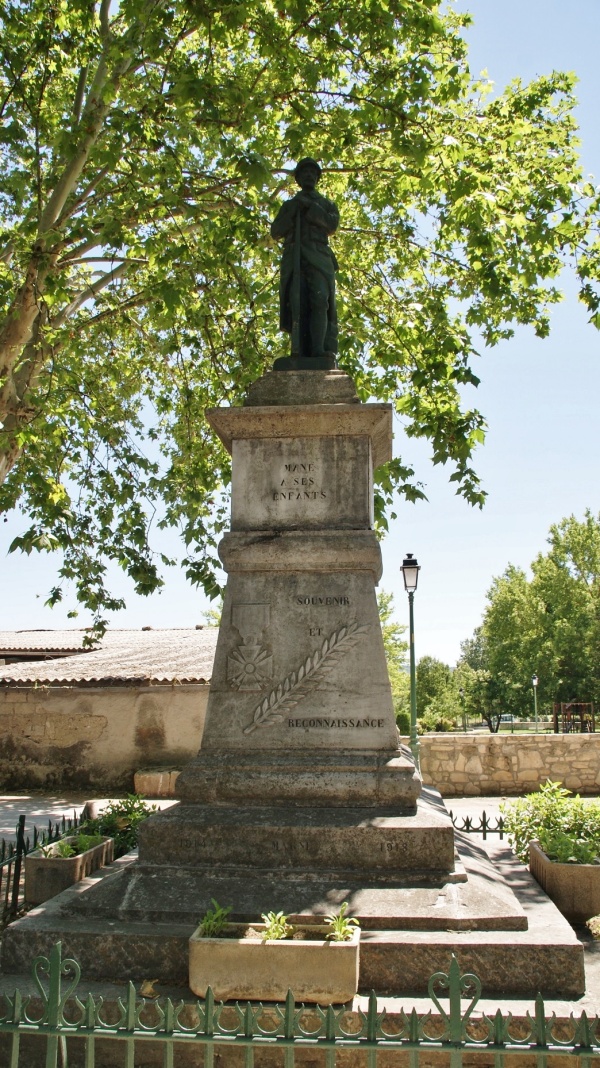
(302, 839)
(511, 764)
(302, 484)
(294, 550)
(373, 421)
(94, 738)
(156, 782)
(302, 387)
(546, 956)
(318, 971)
(299, 664)
(303, 777)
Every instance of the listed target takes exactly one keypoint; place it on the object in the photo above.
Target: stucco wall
(487, 764)
(79, 737)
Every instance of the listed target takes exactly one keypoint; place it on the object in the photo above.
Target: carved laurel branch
(314, 668)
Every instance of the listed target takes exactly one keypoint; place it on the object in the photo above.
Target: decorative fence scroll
(66, 1023)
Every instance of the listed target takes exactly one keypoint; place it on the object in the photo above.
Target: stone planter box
(314, 969)
(45, 877)
(574, 888)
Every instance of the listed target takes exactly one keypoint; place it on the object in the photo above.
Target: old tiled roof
(122, 657)
(42, 641)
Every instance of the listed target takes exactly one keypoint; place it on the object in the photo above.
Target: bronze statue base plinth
(306, 363)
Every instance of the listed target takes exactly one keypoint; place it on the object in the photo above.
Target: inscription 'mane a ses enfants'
(297, 484)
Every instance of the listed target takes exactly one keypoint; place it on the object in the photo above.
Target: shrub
(553, 816)
(403, 721)
(433, 720)
(565, 849)
(120, 820)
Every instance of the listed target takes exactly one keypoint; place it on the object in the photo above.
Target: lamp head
(410, 573)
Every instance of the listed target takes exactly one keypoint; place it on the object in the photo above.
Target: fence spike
(454, 990)
(130, 1008)
(209, 1012)
(584, 1034)
(540, 1021)
(289, 1015)
(372, 1017)
(414, 1026)
(330, 1023)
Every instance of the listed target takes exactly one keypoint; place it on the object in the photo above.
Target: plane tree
(144, 149)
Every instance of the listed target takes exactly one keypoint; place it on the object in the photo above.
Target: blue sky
(540, 398)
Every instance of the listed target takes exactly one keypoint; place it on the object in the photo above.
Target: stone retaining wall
(488, 764)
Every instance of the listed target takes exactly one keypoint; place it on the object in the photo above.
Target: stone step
(311, 839)
(303, 777)
(508, 963)
(394, 959)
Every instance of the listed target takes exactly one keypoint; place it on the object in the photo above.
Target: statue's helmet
(308, 161)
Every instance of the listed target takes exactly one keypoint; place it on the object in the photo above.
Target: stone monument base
(302, 778)
(133, 920)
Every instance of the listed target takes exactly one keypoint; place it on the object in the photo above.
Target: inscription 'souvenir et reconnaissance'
(298, 683)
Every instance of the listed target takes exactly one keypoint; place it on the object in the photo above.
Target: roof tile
(122, 657)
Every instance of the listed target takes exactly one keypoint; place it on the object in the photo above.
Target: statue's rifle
(295, 294)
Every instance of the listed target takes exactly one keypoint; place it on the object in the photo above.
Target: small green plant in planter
(264, 961)
(551, 812)
(276, 927)
(66, 849)
(342, 926)
(565, 849)
(212, 924)
(54, 866)
(120, 821)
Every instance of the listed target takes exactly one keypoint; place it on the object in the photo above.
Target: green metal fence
(483, 825)
(12, 855)
(67, 1025)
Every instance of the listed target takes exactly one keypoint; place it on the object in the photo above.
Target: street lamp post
(462, 704)
(534, 683)
(410, 573)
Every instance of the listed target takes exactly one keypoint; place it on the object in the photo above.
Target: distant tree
(566, 590)
(481, 700)
(438, 700)
(396, 651)
(512, 637)
(548, 625)
(433, 678)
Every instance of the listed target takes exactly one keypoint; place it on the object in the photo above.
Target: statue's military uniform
(317, 267)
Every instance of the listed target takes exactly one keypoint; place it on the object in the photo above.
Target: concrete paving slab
(41, 808)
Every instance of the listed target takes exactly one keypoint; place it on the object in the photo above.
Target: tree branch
(90, 292)
(7, 253)
(103, 15)
(79, 250)
(79, 93)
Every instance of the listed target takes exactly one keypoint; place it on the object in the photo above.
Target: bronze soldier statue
(307, 308)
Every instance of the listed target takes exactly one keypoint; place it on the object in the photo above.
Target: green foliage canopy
(396, 653)
(548, 625)
(144, 149)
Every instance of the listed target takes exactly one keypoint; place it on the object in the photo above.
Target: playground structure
(574, 717)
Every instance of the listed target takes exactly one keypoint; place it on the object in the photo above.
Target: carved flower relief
(249, 667)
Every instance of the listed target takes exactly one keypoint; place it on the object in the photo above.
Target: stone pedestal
(301, 796)
(300, 709)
